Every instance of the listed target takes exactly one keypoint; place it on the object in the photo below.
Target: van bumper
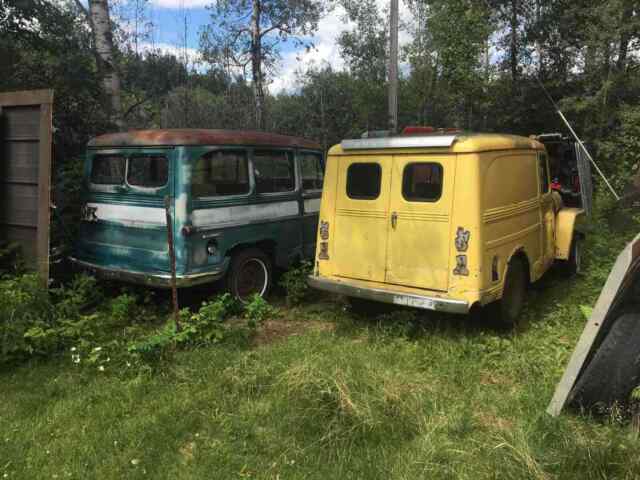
(389, 296)
(151, 279)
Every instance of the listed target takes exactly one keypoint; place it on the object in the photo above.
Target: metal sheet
(599, 320)
(584, 174)
(25, 174)
(409, 141)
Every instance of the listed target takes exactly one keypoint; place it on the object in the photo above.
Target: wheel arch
(521, 254)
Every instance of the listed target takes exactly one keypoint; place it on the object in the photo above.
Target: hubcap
(252, 278)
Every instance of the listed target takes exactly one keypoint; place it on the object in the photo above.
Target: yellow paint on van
(454, 248)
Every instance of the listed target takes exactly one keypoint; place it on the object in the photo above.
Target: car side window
(108, 170)
(274, 171)
(150, 171)
(422, 182)
(543, 170)
(363, 181)
(221, 173)
(312, 171)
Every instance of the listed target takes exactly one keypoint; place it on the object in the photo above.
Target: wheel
(250, 273)
(509, 307)
(573, 265)
(614, 371)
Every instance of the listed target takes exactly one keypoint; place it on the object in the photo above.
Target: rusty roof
(165, 137)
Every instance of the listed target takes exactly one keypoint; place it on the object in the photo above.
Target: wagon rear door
(420, 215)
(123, 219)
(362, 217)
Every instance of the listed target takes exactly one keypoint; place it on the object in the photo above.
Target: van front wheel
(250, 273)
(509, 307)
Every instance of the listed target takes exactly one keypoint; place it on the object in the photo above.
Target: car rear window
(107, 170)
(221, 173)
(312, 171)
(422, 182)
(274, 171)
(148, 171)
(363, 181)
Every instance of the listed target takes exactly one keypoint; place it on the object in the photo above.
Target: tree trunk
(256, 65)
(625, 36)
(103, 47)
(514, 42)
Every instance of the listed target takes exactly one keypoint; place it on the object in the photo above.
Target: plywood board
(25, 174)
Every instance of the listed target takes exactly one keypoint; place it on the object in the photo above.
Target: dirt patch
(276, 330)
(493, 422)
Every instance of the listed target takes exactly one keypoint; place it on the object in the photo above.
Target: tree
(247, 33)
(100, 22)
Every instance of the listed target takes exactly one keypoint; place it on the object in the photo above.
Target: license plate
(414, 302)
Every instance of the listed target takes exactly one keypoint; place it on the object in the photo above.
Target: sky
(168, 17)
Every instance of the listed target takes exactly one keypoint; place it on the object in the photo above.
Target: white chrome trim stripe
(129, 214)
(238, 214)
(312, 205)
(418, 141)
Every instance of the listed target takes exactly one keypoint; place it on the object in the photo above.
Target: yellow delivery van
(441, 221)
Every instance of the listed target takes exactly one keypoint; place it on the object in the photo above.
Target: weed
(294, 281)
(257, 311)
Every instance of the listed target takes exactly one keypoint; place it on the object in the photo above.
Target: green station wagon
(241, 203)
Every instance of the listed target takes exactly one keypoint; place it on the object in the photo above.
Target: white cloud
(181, 3)
(326, 51)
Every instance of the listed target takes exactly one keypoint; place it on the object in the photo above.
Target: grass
(394, 397)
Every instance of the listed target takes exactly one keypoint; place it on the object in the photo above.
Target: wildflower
(101, 368)
(96, 349)
(75, 358)
(73, 349)
(135, 461)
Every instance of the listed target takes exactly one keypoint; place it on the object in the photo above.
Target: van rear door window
(274, 171)
(148, 171)
(422, 182)
(312, 171)
(107, 170)
(221, 173)
(363, 181)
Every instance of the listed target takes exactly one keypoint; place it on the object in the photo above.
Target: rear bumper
(389, 296)
(151, 279)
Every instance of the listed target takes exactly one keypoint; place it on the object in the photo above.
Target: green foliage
(294, 281)
(257, 311)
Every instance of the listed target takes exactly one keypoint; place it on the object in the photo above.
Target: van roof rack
(432, 140)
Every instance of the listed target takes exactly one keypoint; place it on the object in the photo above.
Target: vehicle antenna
(575, 135)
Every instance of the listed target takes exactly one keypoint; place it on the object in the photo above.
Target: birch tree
(103, 48)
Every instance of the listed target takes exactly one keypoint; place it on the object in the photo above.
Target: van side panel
(510, 216)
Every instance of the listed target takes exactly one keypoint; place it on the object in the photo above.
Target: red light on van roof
(417, 130)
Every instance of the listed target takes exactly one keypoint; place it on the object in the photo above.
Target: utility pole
(393, 68)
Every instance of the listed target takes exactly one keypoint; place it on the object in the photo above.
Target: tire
(573, 265)
(509, 307)
(250, 272)
(614, 371)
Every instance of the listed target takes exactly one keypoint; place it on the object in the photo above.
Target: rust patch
(168, 137)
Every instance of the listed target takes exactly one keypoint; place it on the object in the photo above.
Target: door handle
(394, 220)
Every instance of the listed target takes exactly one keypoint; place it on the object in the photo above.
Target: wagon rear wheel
(250, 273)
(509, 307)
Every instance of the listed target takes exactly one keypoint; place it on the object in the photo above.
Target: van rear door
(419, 237)
(362, 217)
(123, 218)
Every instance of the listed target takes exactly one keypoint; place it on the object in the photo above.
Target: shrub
(295, 284)
(257, 311)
